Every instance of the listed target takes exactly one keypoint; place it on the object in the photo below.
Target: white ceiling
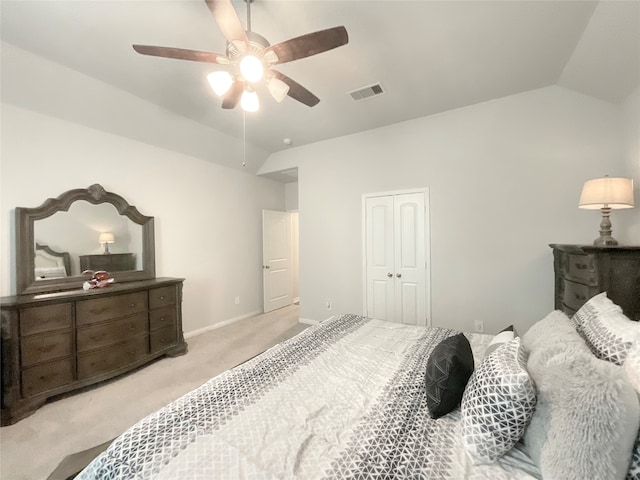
(429, 56)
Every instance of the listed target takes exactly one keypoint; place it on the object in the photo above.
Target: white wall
(207, 217)
(504, 178)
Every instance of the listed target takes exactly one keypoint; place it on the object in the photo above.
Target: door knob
(266, 266)
(389, 274)
(398, 275)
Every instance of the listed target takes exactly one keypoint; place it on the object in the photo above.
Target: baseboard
(221, 324)
(308, 321)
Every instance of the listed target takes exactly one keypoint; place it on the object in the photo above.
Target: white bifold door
(396, 257)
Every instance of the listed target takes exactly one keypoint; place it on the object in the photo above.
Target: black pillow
(448, 370)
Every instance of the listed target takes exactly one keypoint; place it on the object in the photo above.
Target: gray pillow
(586, 419)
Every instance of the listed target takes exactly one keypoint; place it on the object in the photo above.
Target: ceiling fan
(251, 58)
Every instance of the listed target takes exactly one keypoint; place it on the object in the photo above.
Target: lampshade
(220, 82)
(249, 101)
(251, 68)
(278, 89)
(106, 237)
(608, 192)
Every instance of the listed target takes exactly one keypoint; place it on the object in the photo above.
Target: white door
(276, 260)
(396, 262)
(380, 258)
(409, 261)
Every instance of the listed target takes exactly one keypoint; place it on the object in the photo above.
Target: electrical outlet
(237, 299)
(478, 326)
(329, 306)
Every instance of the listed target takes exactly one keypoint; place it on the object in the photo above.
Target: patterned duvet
(344, 399)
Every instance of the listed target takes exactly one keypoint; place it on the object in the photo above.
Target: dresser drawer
(109, 333)
(100, 309)
(46, 377)
(161, 297)
(162, 317)
(582, 267)
(576, 294)
(44, 319)
(109, 359)
(163, 338)
(41, 348)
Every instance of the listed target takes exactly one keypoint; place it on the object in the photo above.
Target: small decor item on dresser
(99, 279)
(606, 194)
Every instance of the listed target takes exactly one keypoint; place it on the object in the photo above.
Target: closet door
(409, 259)
(395, 264)
(380, 258)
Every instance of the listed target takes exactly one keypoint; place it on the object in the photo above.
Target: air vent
(366, 92)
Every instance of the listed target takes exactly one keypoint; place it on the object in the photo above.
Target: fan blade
(227, 20)
(309, 44)
(233, 95)
(297, 91)
(181, 54)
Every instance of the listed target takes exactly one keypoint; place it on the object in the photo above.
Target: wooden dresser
(59, 342)
(111, 262)
(582, 271)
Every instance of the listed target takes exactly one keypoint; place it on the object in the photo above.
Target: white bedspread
(341, 400)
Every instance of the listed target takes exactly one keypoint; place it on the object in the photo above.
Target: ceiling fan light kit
(251, 58)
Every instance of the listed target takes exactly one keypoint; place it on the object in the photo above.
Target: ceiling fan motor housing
(257, 45)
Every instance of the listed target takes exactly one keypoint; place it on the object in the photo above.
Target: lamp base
(605, 241)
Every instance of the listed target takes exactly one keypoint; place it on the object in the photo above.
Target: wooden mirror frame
(95, 194)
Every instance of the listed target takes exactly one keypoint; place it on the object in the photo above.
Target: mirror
(82, 229)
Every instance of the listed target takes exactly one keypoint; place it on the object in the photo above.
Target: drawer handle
(46, 348)
(162, 319)
(132, 305)
(161, 297)
(132, 328)
(581, 266)
(98, 336)
(580, 297)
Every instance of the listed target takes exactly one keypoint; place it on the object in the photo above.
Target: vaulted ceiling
(428, 56)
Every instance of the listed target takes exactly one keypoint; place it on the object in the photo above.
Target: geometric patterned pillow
(498, 404)
(607, 331)
(448, 370)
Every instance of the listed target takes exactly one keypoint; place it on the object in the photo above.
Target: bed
(352, 398)
(51, 264)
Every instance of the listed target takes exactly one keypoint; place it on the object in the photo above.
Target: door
(396, 258)
(276, 259)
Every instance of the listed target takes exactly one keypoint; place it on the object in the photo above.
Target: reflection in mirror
(77, 233)
(89, 229)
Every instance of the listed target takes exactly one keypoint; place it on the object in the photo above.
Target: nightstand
(582, 271)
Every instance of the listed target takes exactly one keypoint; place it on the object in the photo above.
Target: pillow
(497, 404)
(608, 332)
(586, 419)
(632, 369)
(504, 336)
(550, 336)
(448, 370)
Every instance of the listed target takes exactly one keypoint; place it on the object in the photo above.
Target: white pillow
(497, 404)
(586, 419)
(504, 336)
(608, 332)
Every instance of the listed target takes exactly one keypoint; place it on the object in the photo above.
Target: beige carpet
(32, 448)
